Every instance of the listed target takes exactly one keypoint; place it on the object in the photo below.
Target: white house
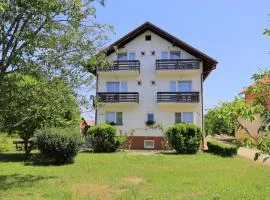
(156, 78)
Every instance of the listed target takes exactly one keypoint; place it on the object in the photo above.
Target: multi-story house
(155, 79)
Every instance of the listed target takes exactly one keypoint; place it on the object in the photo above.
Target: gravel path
(250, 154)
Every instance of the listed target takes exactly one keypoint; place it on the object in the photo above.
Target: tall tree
(57, 35)
(28, 102)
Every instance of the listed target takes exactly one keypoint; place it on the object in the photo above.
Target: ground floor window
(114, 118)
(150, 117)
(186, 117)
(149, 144)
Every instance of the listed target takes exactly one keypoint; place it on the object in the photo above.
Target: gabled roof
(209, 63)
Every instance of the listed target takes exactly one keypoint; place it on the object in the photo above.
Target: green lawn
(135, 176)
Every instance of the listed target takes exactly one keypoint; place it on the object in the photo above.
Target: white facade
(134, 115)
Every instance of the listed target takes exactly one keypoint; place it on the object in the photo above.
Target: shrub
(221, 148)
(184, 138)
(103, 138)
(4, 146)
(60, 145)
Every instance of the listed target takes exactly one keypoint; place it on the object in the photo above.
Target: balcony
(123, 67)
(172, 66)
(118, 97)
(178, 97)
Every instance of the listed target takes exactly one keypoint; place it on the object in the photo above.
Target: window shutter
(119, 118)
(124, 87)
(173, 86)
(178, 117)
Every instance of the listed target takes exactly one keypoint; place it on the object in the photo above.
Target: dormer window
(148, 38)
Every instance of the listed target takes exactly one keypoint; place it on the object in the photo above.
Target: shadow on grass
(8, 182)
(12, 157)
(35, 159)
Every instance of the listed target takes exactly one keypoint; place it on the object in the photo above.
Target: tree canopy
(55, 35)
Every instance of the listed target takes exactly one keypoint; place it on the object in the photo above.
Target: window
(122, 56)
(139, 83)
(149, 144)
(188, 117)
(113, 118)
(150, 117)
(113, 87)
(178, 117)
(175, 55)
(171, 55)
(132, 56)
(180, 86)
(153, 82)
(153, 53)
(164, 55)
(148, 37)
(126, 56)
(117, 87)
(184, 86)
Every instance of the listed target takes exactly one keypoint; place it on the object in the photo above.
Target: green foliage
(103, 138)
(53, 35)
(184, 138)
(28, 102)
(59, 145)
(4, 145)
(215, 123)
(221, 148)
(264, 146)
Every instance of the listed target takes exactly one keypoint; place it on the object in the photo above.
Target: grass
(135, 176)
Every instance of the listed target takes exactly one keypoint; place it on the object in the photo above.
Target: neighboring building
(86, 124)
(253, 127)
(250, 97)
(156, 78)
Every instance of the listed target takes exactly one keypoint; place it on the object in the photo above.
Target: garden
(58, 170)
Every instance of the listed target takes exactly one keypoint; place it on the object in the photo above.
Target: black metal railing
(118, 97)
(123, 65)
(178, 97)
(177, 64)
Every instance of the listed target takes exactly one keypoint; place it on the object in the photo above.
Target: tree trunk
(27, 149)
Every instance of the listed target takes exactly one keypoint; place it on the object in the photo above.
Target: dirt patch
(134, 180)
(97, 190)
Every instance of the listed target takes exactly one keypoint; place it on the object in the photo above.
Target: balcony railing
(123, 65)
(177, 64)
(178, 97)
(118, 97)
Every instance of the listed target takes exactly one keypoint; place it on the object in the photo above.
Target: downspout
(204, 72)
(96, 109)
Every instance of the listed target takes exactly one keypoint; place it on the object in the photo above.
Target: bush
(4, 146)
(103, 138)
(184, 138)
(221, 148)
(60, 145)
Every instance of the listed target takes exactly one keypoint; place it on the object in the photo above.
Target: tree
(215, 124)
(28, 102)
(57, 35)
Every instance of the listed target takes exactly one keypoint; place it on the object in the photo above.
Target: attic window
(147, 37)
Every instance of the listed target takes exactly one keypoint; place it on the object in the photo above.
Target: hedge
(184, 137)
(103, 138)
(60, 145)
(222, 149)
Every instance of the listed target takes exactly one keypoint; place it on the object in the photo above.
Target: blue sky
(228, 30)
